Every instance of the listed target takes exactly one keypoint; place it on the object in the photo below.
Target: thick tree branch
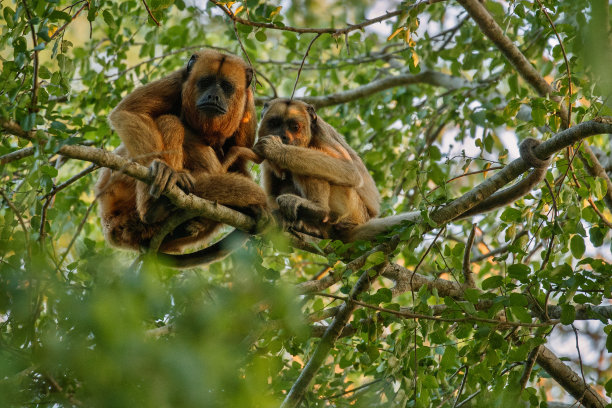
(584, 312)
(568, 379)
(426, 77)
(333, 331)
(16, 155)
(205, 208)
(517, 167)
(494, 32)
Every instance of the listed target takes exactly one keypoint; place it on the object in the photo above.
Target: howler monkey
(311, 174)
(181, 126)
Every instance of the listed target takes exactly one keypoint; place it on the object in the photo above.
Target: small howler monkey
(311, 174)
(181, 126)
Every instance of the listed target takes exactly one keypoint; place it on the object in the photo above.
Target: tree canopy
(512, 306)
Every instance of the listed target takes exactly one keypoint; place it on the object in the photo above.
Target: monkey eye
(205, 82)
(294, 126)
(227, 87)
(274, 123)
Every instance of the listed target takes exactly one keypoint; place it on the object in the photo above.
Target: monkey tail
(378, 226)
(208, 255)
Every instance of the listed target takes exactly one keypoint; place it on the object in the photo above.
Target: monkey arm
(239, 152)
(134, 118)
(308, 162)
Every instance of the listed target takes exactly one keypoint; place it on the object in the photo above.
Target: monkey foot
(164, 177)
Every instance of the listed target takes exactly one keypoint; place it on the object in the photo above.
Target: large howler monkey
(181, 126)
(311, 174)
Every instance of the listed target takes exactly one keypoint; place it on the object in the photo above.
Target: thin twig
(34, 100)
(410, 315)
(71, 180)
(599, 213)
(467, 272)
(467, 370)
(297, 78)
(62, 28)
(416, 363)
(578, 350)
(470, 173)
(149, 60)
(332, 31)
(17, 214)
(567, 66)
(354, 389)
(244, 51)
(77, 233)
(150, 13)
(270, 84)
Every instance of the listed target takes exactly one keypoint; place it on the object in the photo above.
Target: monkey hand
(165, 176)
(268, 146)
(288, 206)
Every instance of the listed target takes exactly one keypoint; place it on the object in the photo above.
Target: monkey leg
(168, 168)
(166, 171)
(231, 189)
(313, 207)
(295, 208)
(236, 191)
(121, 224)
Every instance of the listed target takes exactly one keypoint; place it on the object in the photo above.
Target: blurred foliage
(81, 326)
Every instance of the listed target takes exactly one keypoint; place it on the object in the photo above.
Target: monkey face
(291, 120)
(215, 92)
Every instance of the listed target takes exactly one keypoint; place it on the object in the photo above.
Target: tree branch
(568, 379)
(467, 272)
(332, 31)
(428, 77)
(205, 208)
(517, 167)
(495, 33)
(333, 331)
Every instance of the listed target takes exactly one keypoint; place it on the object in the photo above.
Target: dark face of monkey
(291, 120)
(215, 92)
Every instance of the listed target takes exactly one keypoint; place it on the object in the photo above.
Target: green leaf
(517, 299)
(492, 282)
(519, 272)
(521, 313)
(568, 314)
(511, 215)
(374, 259)
(577, 246)
(449, 358)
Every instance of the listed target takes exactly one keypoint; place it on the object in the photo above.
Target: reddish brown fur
(313, 175)
(159, 121)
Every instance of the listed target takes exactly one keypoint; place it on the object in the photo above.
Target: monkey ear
(266, 105)
(313, 114)
(249, 76)
(191, 62)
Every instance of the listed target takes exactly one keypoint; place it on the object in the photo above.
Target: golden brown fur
(181, 126)
(311, 174)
